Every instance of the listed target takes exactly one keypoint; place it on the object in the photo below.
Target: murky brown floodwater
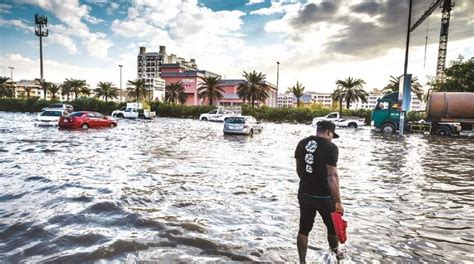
(178, 190)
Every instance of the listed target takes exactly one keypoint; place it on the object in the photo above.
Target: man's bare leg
(302, 243)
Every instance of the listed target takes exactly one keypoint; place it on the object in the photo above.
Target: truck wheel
(142, 116)
(120, 115)
(443, 131)
(352, 125)
(251, 132)
(204, 119)
(388, 128)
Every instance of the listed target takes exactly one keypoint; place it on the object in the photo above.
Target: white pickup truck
(217, 115)
(133, 111)
(345, 121)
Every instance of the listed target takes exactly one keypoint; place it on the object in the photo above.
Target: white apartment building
(324, 99)
(22, 87)
(149, 68)
(286, 100)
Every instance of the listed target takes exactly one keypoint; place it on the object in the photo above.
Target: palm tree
(54, 89)
(106, 90)
(210, 88)
(137, 89)
(297, 91)
(44, 85)
(351, 90)
(253, 89)
(394, 85)
(243, 91)
(66, 89)
(27, 90)
(5, 90)
(338, 95)
(174, 92)
(77, 87)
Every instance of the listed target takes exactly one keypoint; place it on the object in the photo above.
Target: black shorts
(308, 208)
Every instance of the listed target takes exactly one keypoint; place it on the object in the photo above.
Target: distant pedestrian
(316, 162)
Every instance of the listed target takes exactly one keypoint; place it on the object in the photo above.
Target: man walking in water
(316, 160)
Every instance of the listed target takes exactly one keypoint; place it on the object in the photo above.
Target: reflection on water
(176, 189)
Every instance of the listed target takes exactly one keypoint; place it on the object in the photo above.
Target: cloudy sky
(316, 42)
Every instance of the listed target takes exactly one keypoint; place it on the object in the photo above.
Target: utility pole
(41, 31)
(11, 78)
(120, 66)
(402, 112)
(278, 77)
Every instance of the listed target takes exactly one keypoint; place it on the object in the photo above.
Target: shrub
(34, 104)
(179, 111)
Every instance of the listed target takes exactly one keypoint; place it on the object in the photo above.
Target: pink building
(191, 80)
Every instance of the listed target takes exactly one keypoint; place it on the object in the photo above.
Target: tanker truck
(448, 114)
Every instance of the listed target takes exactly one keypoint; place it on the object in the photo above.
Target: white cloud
(278, 7)
(71, 13)
(4, 8)
(252, 2)
(17, 24)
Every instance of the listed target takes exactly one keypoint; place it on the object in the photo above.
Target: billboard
(404, 92)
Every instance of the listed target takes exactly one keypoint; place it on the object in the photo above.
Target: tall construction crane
(446, 6)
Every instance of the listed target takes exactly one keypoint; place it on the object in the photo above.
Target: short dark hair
(323, 126)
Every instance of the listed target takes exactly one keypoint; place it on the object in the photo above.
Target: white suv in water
(50, 117)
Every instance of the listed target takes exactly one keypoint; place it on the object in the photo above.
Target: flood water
(177, 190)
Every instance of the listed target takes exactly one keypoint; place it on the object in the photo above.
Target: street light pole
(120, 66)
(407, 48)
(11, 78)
(278, 77)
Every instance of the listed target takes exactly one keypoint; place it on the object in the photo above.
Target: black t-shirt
(312, 155)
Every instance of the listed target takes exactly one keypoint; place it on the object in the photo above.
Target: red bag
(340, 226)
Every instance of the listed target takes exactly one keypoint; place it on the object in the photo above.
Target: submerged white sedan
(242, 125)
(50, 117)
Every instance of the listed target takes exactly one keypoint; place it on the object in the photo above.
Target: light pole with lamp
(278, 77)
(120, 66)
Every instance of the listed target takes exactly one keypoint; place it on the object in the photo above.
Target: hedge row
(281, 114)
(299, 115)
(34, 104)
(179, 111)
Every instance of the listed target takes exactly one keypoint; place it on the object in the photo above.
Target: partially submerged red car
(85, 120)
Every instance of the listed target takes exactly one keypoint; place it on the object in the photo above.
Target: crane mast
(446, 6)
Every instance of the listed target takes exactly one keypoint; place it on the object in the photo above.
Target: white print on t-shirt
(309, 158)
(311, 146)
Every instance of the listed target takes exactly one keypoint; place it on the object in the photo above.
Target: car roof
(54, 110)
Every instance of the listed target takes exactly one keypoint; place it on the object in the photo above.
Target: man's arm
(299, 168)
(333, 181)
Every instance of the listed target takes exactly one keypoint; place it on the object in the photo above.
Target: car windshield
(235, 120)
(76, 114)
(52, 113)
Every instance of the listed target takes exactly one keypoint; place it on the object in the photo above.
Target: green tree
(254, 88)
(44, 85)
(54, 89)
(338, 95)
(136, 89)
(77, 87)
(174, 92)
(394, 84)
(350, 90)
(66, 89)
(27, 90)
(106, 90)
(297, 91)
(5, 87)
(210, 88)
(459, 77)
